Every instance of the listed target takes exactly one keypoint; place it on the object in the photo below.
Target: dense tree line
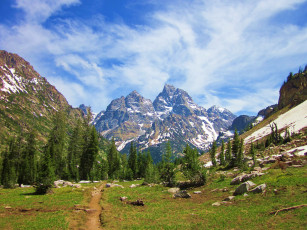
(72, 153)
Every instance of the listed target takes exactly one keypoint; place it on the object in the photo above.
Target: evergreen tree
(28, 166)
(290, 76)
(228, 152)
(167, 166)
(132, 161)
(151, 174)
(240, 156)
(253, 153)
(56, 143)
(75, 149)
(191, 167)
(113, 160)
(104, 169)
(222, 155)
(8, 175)
(235, 145)
(89, 155)
(142, 163)
(213, 153)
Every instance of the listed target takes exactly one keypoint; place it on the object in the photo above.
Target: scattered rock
(259, 169)
(182, 194)
(108, 185)
(243, 188)
(296, 166)
(259, 189)
(197, 192)
(8, 207)
(245, 194)
(173, 190)
(123, 198)
(226, 202)
(84, 182)
(118, 185)
(225, 190)
(76, 185)
(67, 183)
(216, 204)
(132, 186)
(25, 186)
(229, 198)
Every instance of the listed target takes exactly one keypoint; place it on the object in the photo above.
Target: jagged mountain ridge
(27, 100)
(173, 116)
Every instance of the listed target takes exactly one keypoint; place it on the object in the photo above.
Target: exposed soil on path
(94, 211)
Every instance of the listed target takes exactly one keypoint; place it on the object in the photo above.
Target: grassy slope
(54, 211)
(161, 211)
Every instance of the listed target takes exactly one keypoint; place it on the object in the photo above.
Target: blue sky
(235, 54)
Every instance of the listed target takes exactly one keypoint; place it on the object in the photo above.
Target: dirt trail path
(94, 211)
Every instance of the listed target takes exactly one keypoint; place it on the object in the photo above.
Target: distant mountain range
(173, 116)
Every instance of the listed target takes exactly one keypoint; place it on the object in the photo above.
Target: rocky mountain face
(241, 122)
(294, 91)
(27, 100)
(173, 116)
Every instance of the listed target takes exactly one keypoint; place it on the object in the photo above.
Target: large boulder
(243, 188)
(182, 194)
(173, 190)
(259, 189)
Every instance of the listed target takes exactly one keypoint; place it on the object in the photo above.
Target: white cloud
(37, 11)
(203, 47)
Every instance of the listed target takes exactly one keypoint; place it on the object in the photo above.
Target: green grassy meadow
(161, 211)
(21, 209)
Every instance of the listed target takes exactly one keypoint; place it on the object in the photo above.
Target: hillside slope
(28, 100)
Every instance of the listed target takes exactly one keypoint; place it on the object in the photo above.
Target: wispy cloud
(228, 53)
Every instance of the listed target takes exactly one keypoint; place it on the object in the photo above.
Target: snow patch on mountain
(295, 119)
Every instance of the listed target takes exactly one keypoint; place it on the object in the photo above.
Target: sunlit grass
(161, 211)
(21, 209)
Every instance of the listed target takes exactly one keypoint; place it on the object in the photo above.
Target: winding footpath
(95, 209)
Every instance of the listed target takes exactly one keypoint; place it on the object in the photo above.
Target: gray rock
(182, 194)
(76, 185)
(229, 198)
(108, 185)
(259, 189)
(67, 183)
(243, 188)
(118, 185)
(236, 180)
(216, 204)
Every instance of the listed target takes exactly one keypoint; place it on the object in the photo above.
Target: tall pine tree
(132, 161)
(213, 153)
(222, 155)
(89, 155)
(228, 152)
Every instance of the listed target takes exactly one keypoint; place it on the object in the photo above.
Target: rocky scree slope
(173, 116)
(27, 100)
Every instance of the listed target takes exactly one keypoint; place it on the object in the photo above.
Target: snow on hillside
(295, 119)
